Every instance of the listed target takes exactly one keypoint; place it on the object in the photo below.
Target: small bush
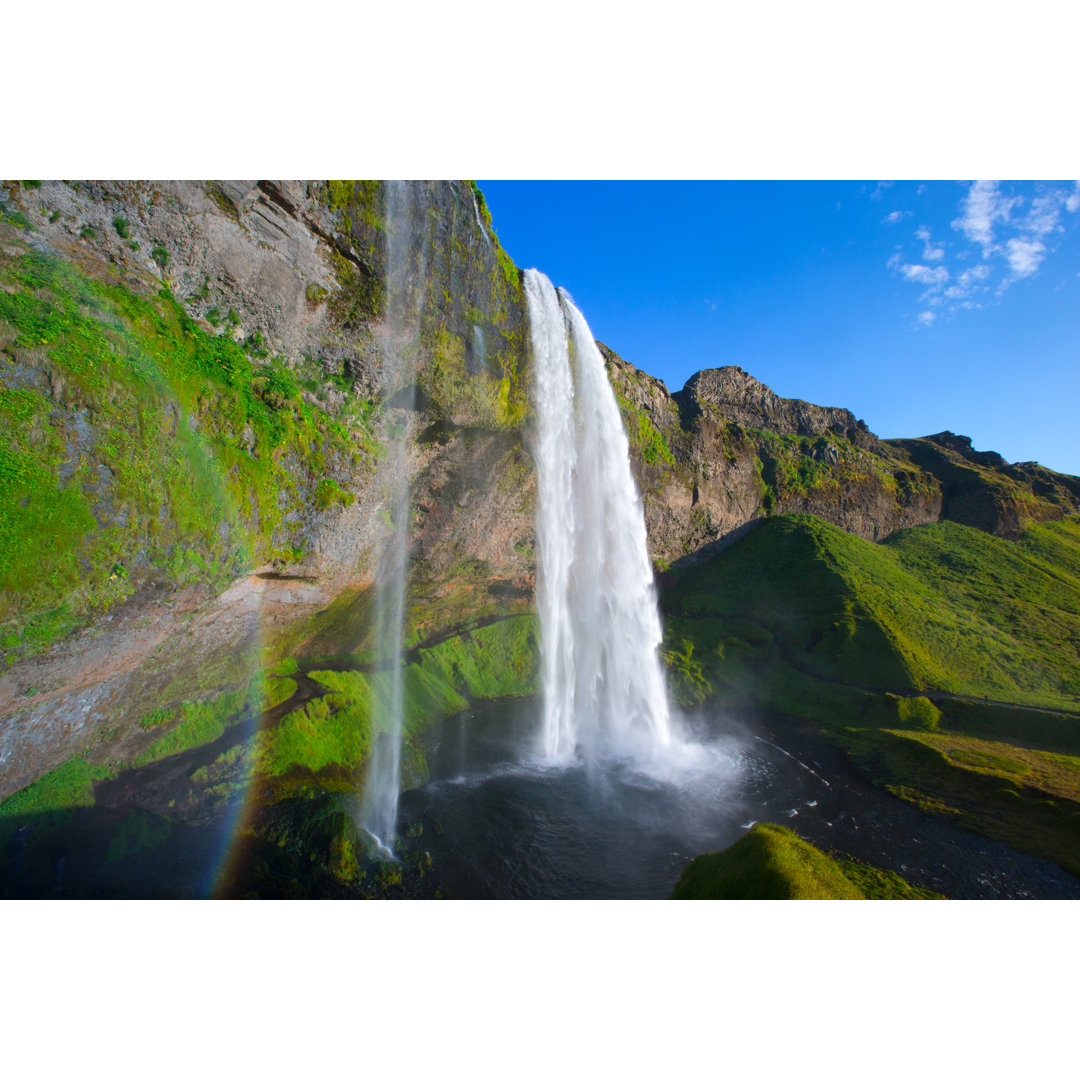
(156, 718)
(121, 226)
(256, 345)
(160, 256)
(329, 492)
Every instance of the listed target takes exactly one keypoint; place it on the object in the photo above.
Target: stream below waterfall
(500, 825)
(498, 822)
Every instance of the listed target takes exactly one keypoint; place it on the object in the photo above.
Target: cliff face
(725, 451)
(190, 425)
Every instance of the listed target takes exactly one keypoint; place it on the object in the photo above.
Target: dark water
(499, 826)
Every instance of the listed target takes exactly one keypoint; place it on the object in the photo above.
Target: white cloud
(1004, 233)
(882, 186)
(1025, 256)
(984, 206)
(920, 189)
(1045, 214)
(895, 216)
(930, 252)
(969, 283)
(923, 275)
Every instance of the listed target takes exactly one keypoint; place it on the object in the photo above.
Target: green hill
(945, 661)
(772, 863)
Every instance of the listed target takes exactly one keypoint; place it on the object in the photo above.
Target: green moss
(326, 731)
(878, 884)
(277, 692)
(772, 863)
(918, 712)
(56, 793)
(135, 441)
(316, 294)
(358, 298)
(337, 731)
(224, 203)
(686, 677)
(769, 863)
(480, 398)
(646, 439)
(202, 723)
(329, 493)
(156, 718)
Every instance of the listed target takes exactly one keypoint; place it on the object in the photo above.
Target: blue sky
(919, 306)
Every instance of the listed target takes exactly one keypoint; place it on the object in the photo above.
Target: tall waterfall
(603, 684)
(404, 303)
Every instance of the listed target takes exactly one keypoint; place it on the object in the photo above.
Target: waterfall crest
(603, 685)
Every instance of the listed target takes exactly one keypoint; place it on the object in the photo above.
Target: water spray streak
(603, 686)
(404, 303)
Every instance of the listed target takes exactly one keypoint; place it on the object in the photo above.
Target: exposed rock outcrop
(726, 450)
(731, 395)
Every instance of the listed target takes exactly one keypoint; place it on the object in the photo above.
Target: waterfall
(603, 684)
(404, 303)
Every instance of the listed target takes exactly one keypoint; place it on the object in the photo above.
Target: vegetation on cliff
(139, 446)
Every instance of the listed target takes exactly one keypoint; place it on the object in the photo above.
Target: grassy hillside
(139, 445)
(772, 863)
(945, 661)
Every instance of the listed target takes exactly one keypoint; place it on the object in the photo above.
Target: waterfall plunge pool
(498, 823)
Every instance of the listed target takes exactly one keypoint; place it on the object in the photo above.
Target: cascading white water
(603, 684)
(404, 302)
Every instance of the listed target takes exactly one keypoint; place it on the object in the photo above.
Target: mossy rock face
(772, 863)
(769, 863)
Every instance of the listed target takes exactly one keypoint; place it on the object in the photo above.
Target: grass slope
(139, 444)
(945, 661)
(773, 863)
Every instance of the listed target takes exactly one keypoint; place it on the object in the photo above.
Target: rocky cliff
(725, 451)
(193, 391)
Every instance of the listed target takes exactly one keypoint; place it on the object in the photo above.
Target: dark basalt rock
(730, 394)
(961, 444)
